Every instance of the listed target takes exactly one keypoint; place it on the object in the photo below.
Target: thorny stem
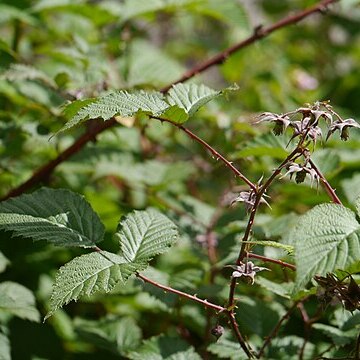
(258, 34)
(275, 330)
(239, 337)
(259, 194)
(183, 294)
(275, 261)
(216, 154)
(330, 191)
(45, 171)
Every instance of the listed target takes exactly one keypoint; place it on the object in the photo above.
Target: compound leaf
(56, 215)
(88, 274)
(144, 234)
(325, 239)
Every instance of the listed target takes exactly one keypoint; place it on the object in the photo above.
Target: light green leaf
(144, 234)
(226, 349)
(351, 187)
(88, 274)
(156, 68)
(288, 248)
(326, 238)
(17, 300)
(18, 72)
(164, 348)
(181, 103)
(4, 262)
(120, 103)
(190, 97)
(55, 215)
(9, 13)
(5, 351)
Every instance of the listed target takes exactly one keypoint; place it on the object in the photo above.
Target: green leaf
(17, 300)
(226, 349)
(325, 239)
(144, 234)
(164, 348)
(288, 248)
(18, 72)
(120, 103)
(120, 335)
(282, 290)
(351, 187)
(190, 98)
(89, 274)
(5, 350)
(156, 68)
(9, 13)
(55, 215)
(4, 262)
(180, 104)
(338, 337)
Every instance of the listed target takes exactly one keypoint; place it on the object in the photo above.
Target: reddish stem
(275, 261)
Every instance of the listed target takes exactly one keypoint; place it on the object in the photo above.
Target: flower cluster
(308, 127)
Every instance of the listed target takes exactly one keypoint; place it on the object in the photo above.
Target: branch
(275, 261)
(257, 35)
(216, 154)
(45, 171)
(239, 337)
(183, 294)
(330, 191)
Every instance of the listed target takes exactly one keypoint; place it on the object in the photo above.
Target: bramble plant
(180, 275)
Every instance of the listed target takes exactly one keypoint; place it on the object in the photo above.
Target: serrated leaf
(89, 274)
(17, 300)
(325, 239)
(55, 215)
(144, 234)
(120, 103)
(181, 103)
(190, 97)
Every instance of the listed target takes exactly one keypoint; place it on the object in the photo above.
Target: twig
(275, 330)
(46, 170)
(216, 154)
(183, 294)
(237, 332)
(275, 261)
(330, 191)
(257, 35)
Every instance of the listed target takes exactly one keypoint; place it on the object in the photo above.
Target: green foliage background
(54, 52)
